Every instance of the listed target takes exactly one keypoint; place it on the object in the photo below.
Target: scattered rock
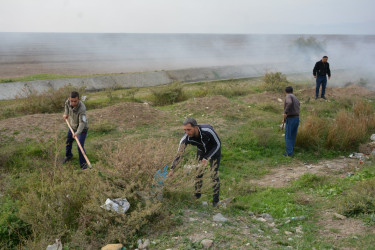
(275, 230)
(261, 220)
(288, 233)
(192, 219)
(56, 246)
(145, 244)
(299, 230)
(272, 224)
(205, 203)
(372, 137)
(268, 217)
(207, 243)
(355, 237)
(220, 218)
(290, 239)
(113, 247)
(251, 213)
(339, 216)
(279, 100)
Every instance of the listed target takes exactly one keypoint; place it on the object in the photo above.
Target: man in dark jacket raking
(208, 150)
(320, 72)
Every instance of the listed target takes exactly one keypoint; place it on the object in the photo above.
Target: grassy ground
(130, 137)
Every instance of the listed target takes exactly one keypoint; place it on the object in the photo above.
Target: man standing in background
(75, 112)
(291, 119)
(320, 72)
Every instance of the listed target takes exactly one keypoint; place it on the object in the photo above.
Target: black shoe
(67, 158)
(215, 204)
(316, 98)
(197, 195)
(83, 166)
(324, 97)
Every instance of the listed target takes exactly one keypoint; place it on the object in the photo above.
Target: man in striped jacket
(208, 150)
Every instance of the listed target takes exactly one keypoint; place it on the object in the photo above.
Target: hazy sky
(189, 16)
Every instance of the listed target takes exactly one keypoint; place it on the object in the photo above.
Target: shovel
(79, 145)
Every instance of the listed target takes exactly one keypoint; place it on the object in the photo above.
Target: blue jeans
(321, 80)
(291, 128)
(69, 143)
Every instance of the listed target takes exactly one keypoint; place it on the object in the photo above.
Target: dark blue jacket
(321, 69)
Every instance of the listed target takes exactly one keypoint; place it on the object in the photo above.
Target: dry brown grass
(65, 203)
(345, 132)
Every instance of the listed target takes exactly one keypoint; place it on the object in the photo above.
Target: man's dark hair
(325, 56)
(289, 89)
(74, 94)
(191, 121)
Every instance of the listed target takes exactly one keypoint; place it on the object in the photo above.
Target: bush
(312, 133)
(345, 132)
(12, 229)
(50, 101)
(65, 203)
(360, 199)
(275, 82)
(169, 94)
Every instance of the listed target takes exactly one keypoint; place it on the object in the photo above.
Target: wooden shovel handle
(79, 144)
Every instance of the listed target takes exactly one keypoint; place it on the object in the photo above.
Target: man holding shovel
(75, 114)
(208, 151)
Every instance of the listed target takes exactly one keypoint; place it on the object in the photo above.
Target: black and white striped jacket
(208, 142)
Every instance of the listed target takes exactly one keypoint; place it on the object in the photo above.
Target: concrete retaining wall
(143, 79)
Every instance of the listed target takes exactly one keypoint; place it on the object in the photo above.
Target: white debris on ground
(119, 205)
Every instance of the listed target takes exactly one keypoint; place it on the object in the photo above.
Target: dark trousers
(214, 169)
(291, 128)
(69, 144)
(321, 80)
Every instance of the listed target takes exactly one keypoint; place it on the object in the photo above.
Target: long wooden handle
(79, 144)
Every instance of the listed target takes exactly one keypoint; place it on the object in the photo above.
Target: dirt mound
(342, 92)
(283, 176)
(265, 97)
(44, 126)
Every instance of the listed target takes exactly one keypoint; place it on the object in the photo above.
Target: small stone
(268, 217)
(355, 237)
(279, 100)
(339, 216)
(112, 247)
(220, 218)
(288, 233)
(372, 137)
(205, 203)
(275, 230)
(290, 239)
(260, 231)
(247, 244)
(251, 213)
(192, 219)
(261, 220)
(207, 243)
(272, 224)
(299, 230)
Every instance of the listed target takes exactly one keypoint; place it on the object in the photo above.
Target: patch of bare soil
(44, 126)
(283, 176)
(342, 227)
